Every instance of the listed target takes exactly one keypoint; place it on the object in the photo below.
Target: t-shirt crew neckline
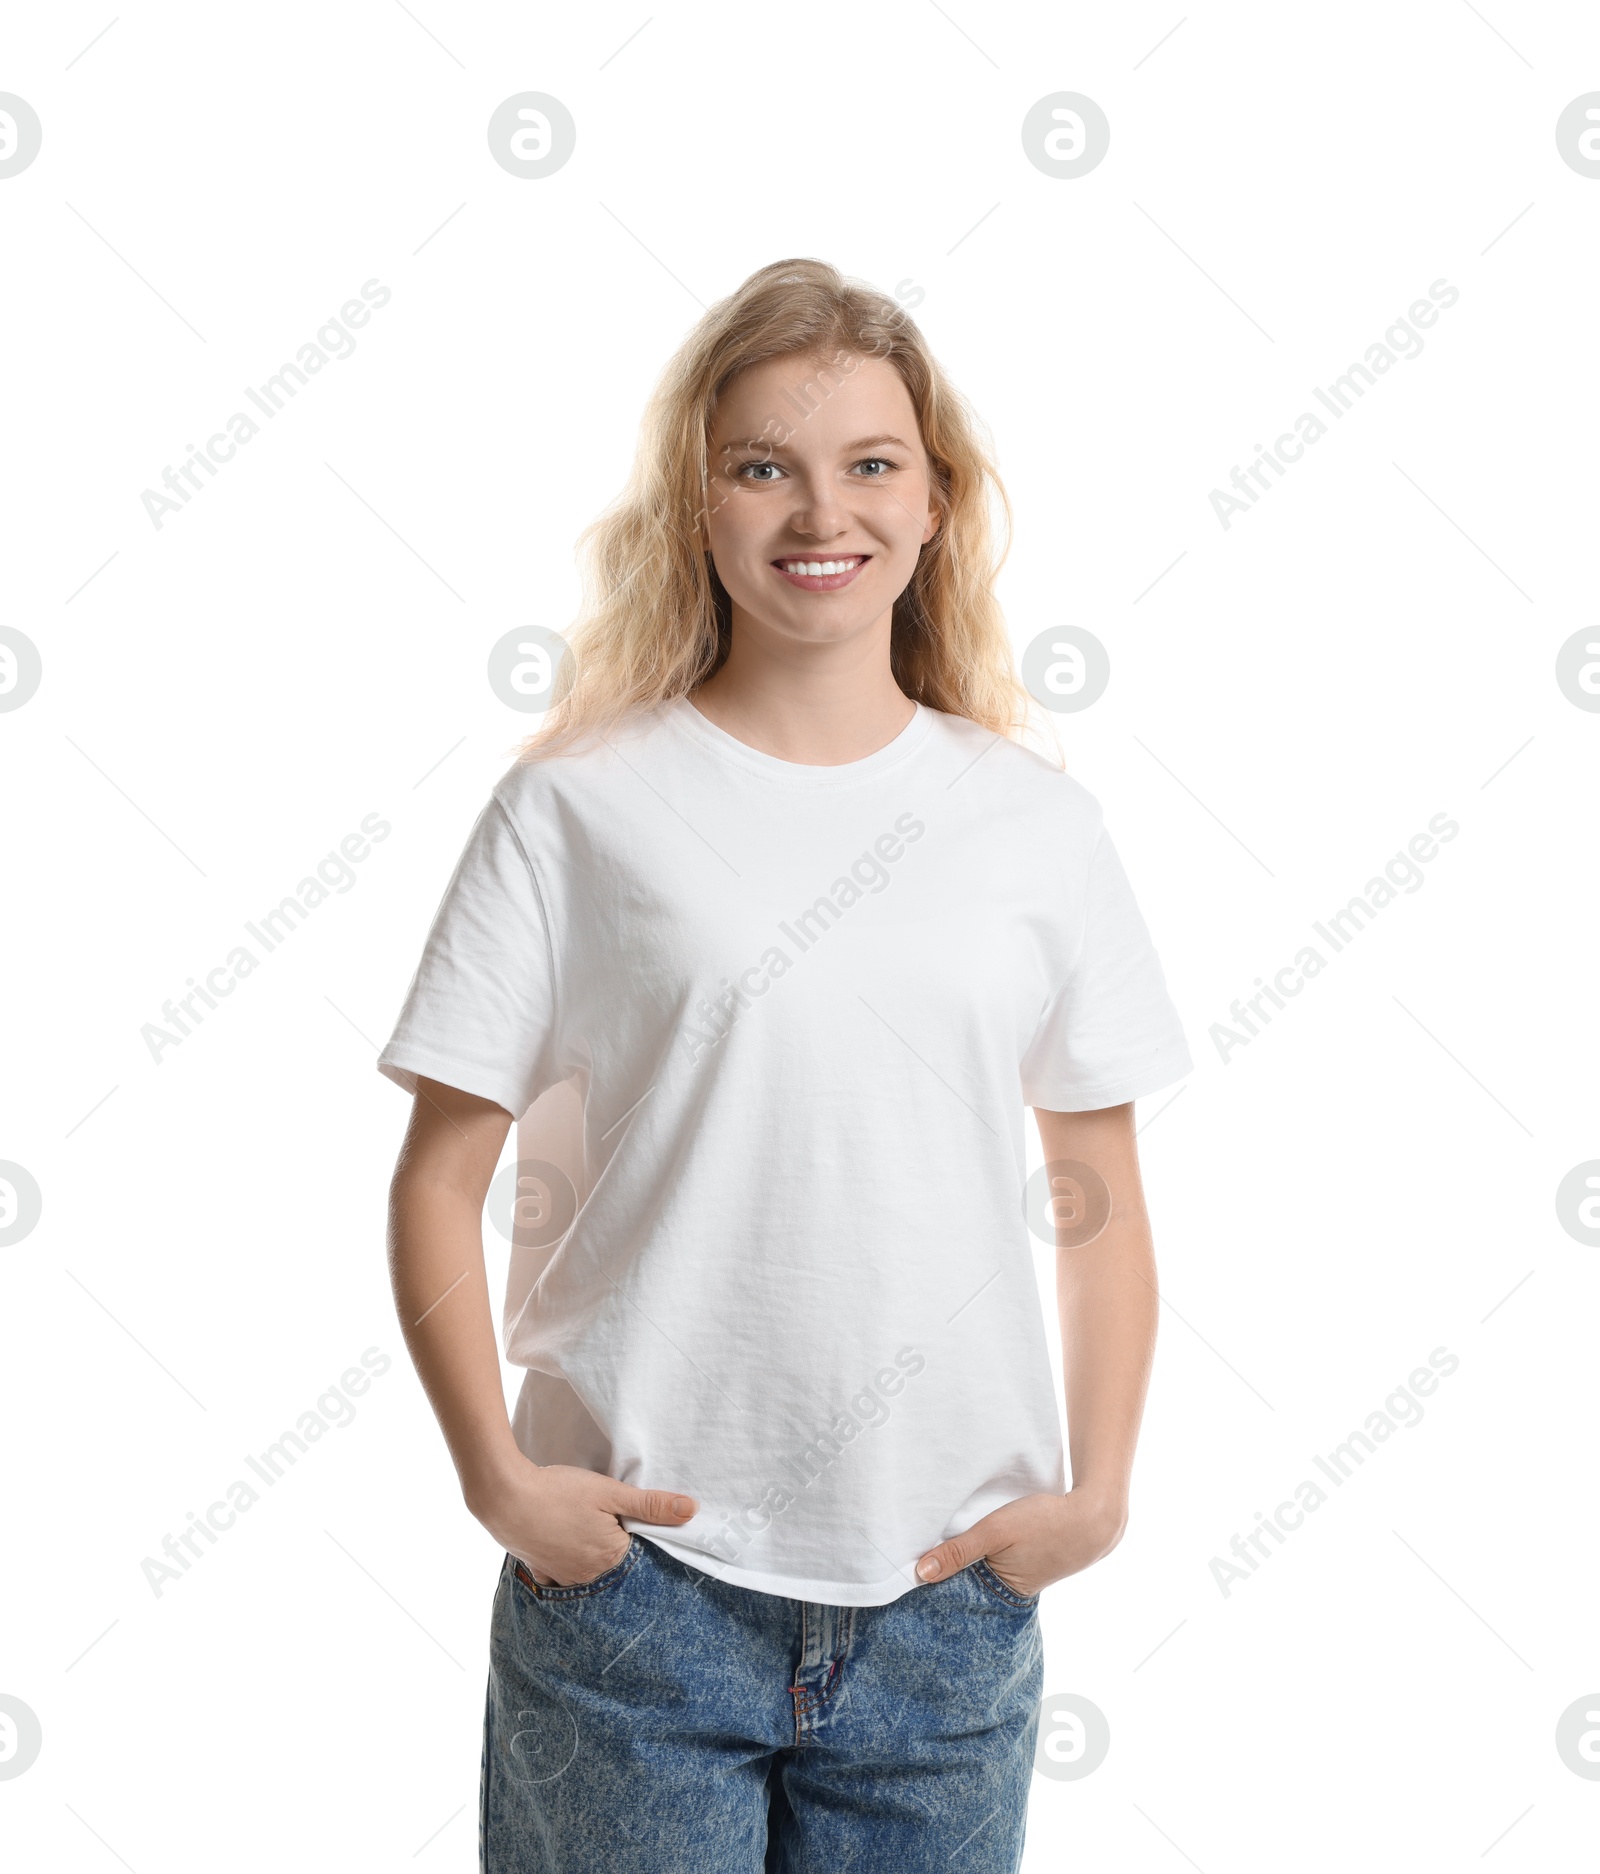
(800, 773)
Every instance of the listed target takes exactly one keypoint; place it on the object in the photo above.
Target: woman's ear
(938, 504)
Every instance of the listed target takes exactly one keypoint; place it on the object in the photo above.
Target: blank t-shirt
(787, 1018)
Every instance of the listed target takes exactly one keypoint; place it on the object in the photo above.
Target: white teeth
(820, 569)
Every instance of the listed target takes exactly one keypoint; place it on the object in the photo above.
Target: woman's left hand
(1032, 1541)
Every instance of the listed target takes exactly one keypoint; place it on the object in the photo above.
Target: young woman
(782, 907)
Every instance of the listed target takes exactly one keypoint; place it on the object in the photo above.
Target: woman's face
(817, 464)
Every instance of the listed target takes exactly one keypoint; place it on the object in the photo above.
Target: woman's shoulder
(570, 770)
(1026, 776)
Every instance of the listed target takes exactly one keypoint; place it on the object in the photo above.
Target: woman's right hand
(562, 1522)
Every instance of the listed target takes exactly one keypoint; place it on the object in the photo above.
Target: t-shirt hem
(402, 1065)
(1060, 1097)
(790, 1587)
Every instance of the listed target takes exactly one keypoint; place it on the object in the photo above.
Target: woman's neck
(815, 704)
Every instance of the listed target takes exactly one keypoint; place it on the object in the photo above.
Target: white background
(225, 697)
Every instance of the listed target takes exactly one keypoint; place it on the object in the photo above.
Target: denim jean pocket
(982, 1572)
(579, 1590)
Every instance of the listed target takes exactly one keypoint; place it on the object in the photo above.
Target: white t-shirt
(776, 1025)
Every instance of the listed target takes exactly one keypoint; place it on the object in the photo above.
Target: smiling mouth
(819, 574)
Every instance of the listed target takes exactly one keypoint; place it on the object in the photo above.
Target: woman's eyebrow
(766, 444)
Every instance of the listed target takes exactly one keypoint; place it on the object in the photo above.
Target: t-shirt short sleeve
(480, 1012)
(1109, 1032)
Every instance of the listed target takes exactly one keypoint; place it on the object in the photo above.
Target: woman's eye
(870, 468)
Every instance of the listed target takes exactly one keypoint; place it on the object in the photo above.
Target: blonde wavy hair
(657, 621)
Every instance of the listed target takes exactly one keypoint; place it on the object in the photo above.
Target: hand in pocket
(563, 1524)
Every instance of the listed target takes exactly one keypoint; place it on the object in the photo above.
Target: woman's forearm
(1106, 1293)
(440, 1285)
(442, 1297)
(1107, 1302)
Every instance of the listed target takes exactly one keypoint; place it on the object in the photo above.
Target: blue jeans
(656, 1720)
